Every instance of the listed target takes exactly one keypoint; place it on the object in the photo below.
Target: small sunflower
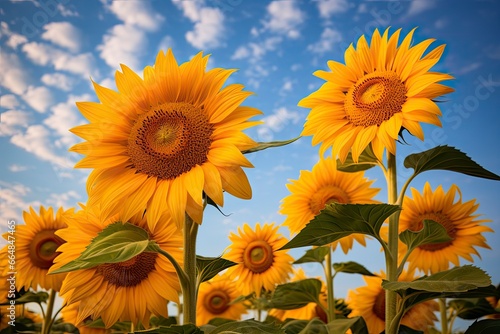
(214, 298)
(382, 89)
(107, 290)
(69, 314)
(260, 264)
(324, 185)
(163, 140)
(308, 312)
(457, 218)
(369, 302)
(36, 245)
(20, 312)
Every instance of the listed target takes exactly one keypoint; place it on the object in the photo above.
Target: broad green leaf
(352, 267)
(263, 145)
(246, 327)
(315, 326)
(458, 279)
(431, 233)
(406, 330)
(174, 329)
(297, 294)
(366, 160)
(314, 255)
(118, 242)
(64, 327)
(356, 324)
(340, 220)
(32, 297)
(488, 326)
(208, 267)
(157, 321)
(447, 158)
(472, 308)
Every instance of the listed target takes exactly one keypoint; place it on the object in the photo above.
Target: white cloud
(18, 168)
(255, 51)
(12, 201)
(45, 54)
(12, 74)
(277, 122)
(63, 34)
(419, 6)
(14, 39)
(286, 87)
(65, 116)
(137, 13)
(284, 17)
(66, 12)
(166, 43)
(121, 44)
(58, 80)
(8, 101)
(39, 98)
(329, 7)
(208, 24)
(467, 68)
(65, 200)
(36, 140)
(13, 121)
(329, 37)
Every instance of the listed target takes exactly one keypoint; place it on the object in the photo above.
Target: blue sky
(51, 49)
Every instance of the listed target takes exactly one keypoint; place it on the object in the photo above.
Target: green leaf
(246, 327)
(458, 279)
(366, 160)
(340, 220)
(356, 324)
(33, 297)
(407, 330)
(488, 326)
(314, 255)
(118, 242)
(297, 294)
(472, 308)
(208, 267)
(263, 145)
(174, 329)
(447, 158)
(315, 326)
(432, 232)
(352, 267)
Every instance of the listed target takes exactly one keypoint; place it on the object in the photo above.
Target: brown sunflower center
(379, 305)
(129, 273)
(375, 98)
(258, 256)
(217, 301)
(327, 195)
(440, 218)
(42, 249)
(169, 140)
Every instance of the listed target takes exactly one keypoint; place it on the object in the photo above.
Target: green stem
(47, 321)
(189, 291)
(392, 257)
(329, 284)
(444, 316)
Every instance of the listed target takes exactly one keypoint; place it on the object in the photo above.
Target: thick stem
(444, 316)
(392, 258)
(329, 284)
(189, 291)
(47, 321)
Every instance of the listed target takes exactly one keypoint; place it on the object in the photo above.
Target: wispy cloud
(420, 6)
(63, 34)
(327, 8)
(329, 38)
(13, 122)
(12, 74)
(58, 80)
(276, 122)
(39, 98)
(285, 18)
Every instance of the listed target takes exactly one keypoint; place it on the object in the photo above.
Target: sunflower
(260, 264)
(457, 218)
(69, 314)
(214, 298)
(163, 140)
(19, 312)
(107, 290)
(36, 245)
(382, 89)
(369, 302)
(324, 185)
(308, 312)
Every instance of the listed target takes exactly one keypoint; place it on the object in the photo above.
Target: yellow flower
(162, 141)
(308, 312)
(106, 291)
(214, 298)
(36, 244)
(18, 312)
(69, 314)
(381, 89)
(369, 302)
(260, 264)
(325, 185)
(457, 218)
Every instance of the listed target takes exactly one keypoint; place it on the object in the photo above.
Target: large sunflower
(163, 140)
(457, 218)
(369, 302)
(107, 291)
(36, 244)
(214, 300)
(323, 185)
(381, 89)
(260, 264)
